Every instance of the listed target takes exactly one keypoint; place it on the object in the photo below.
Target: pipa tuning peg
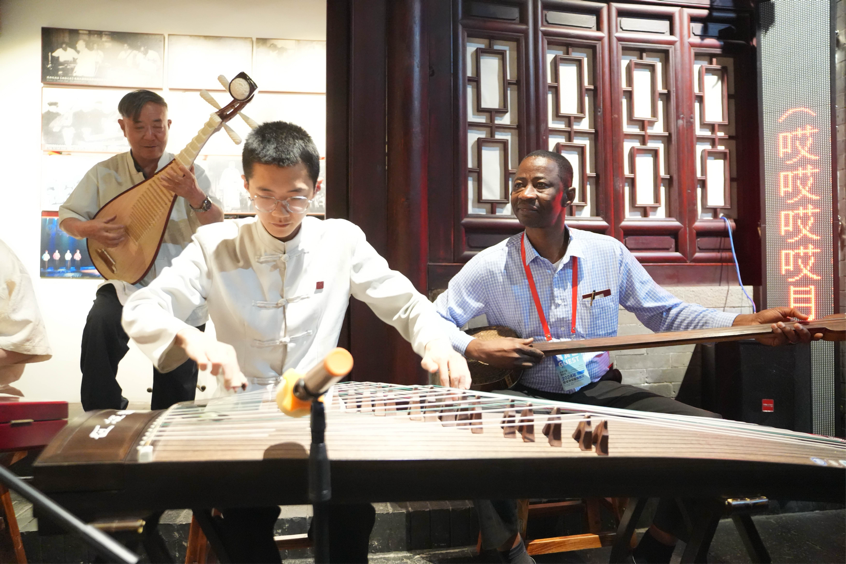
(228, 86)
(249, 121)
(232, 134)
(204, 94)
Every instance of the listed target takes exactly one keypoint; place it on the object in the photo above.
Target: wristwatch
(204, 206)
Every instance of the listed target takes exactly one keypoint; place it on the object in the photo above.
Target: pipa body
(394, 443)
(145, 211)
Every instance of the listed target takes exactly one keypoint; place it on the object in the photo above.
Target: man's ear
(122, 125)
(570, 195)
(246, 183)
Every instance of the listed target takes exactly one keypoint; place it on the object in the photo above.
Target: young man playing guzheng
(23, 337)
(277, 287)
(533, 283)
(145, 124)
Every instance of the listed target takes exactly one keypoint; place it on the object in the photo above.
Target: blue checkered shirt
(494, 283)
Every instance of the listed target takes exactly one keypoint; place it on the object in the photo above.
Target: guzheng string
(434, 400)
(254, 417)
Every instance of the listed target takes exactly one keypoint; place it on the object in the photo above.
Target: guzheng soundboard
(388, 442)
(29, 424)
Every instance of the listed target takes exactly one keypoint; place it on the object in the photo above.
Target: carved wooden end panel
(574, 49)
(645, 102)
(492, 108)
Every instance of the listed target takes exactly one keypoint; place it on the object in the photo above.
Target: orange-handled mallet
(297, 391)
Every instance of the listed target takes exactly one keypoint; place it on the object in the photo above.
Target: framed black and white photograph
(77, 119)
(61, 172)
(81, 119)
(101, 58)
(227, 186)
(290, 65)
(62, 256)
(195, 61)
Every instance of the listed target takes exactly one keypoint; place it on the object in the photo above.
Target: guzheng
(486, 377)
(145, 208)
(404, 443)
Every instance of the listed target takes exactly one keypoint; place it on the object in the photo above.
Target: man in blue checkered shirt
(498, 283)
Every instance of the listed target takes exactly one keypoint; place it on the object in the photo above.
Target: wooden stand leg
(593, 515)
(751, 539)
(210, 530)
(11, 545)
(703, 532)
(522, 517)
(197, 550)
(626, 528)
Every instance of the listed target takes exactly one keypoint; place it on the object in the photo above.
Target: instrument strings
(255, 417)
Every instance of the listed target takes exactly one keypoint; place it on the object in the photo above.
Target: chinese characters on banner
(799, 199)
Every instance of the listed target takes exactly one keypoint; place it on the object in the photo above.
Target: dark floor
(818, 537)
(813, 536)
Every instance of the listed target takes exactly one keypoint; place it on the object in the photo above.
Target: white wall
(65, 303)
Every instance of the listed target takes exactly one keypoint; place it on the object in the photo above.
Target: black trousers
(247, 533)
(104, 344)
(498, 518)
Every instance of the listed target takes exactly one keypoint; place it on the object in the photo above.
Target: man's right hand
(210, 354)
(505, 352)
(104, 231)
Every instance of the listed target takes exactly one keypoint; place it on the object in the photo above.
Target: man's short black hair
(282, 144)
(131, 104)
(565, 169)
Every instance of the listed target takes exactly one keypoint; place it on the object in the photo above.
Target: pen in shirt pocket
(596, 294)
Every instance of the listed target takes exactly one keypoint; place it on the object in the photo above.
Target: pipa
(145, 208)
(487, 377)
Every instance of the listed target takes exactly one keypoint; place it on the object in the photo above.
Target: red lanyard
(535, 296)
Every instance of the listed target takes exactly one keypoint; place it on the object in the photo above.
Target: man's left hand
(451, 367)
(182, 182)
(785, 330)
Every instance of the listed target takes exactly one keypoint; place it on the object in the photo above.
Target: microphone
(297, 390)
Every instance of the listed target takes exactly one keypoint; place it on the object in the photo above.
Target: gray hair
(130, 105)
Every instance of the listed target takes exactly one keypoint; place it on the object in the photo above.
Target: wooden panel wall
(400, 163)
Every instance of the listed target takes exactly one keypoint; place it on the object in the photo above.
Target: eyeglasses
(294, 204)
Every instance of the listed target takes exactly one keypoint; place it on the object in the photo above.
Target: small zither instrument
(487, 377)
(145, 208)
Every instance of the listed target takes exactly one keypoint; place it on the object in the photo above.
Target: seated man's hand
(505, 352)
(785, 330)
(451, 367)
(210, 354)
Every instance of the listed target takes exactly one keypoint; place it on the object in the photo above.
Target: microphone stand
(319, 482)
(105, 546)
(297, 394)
